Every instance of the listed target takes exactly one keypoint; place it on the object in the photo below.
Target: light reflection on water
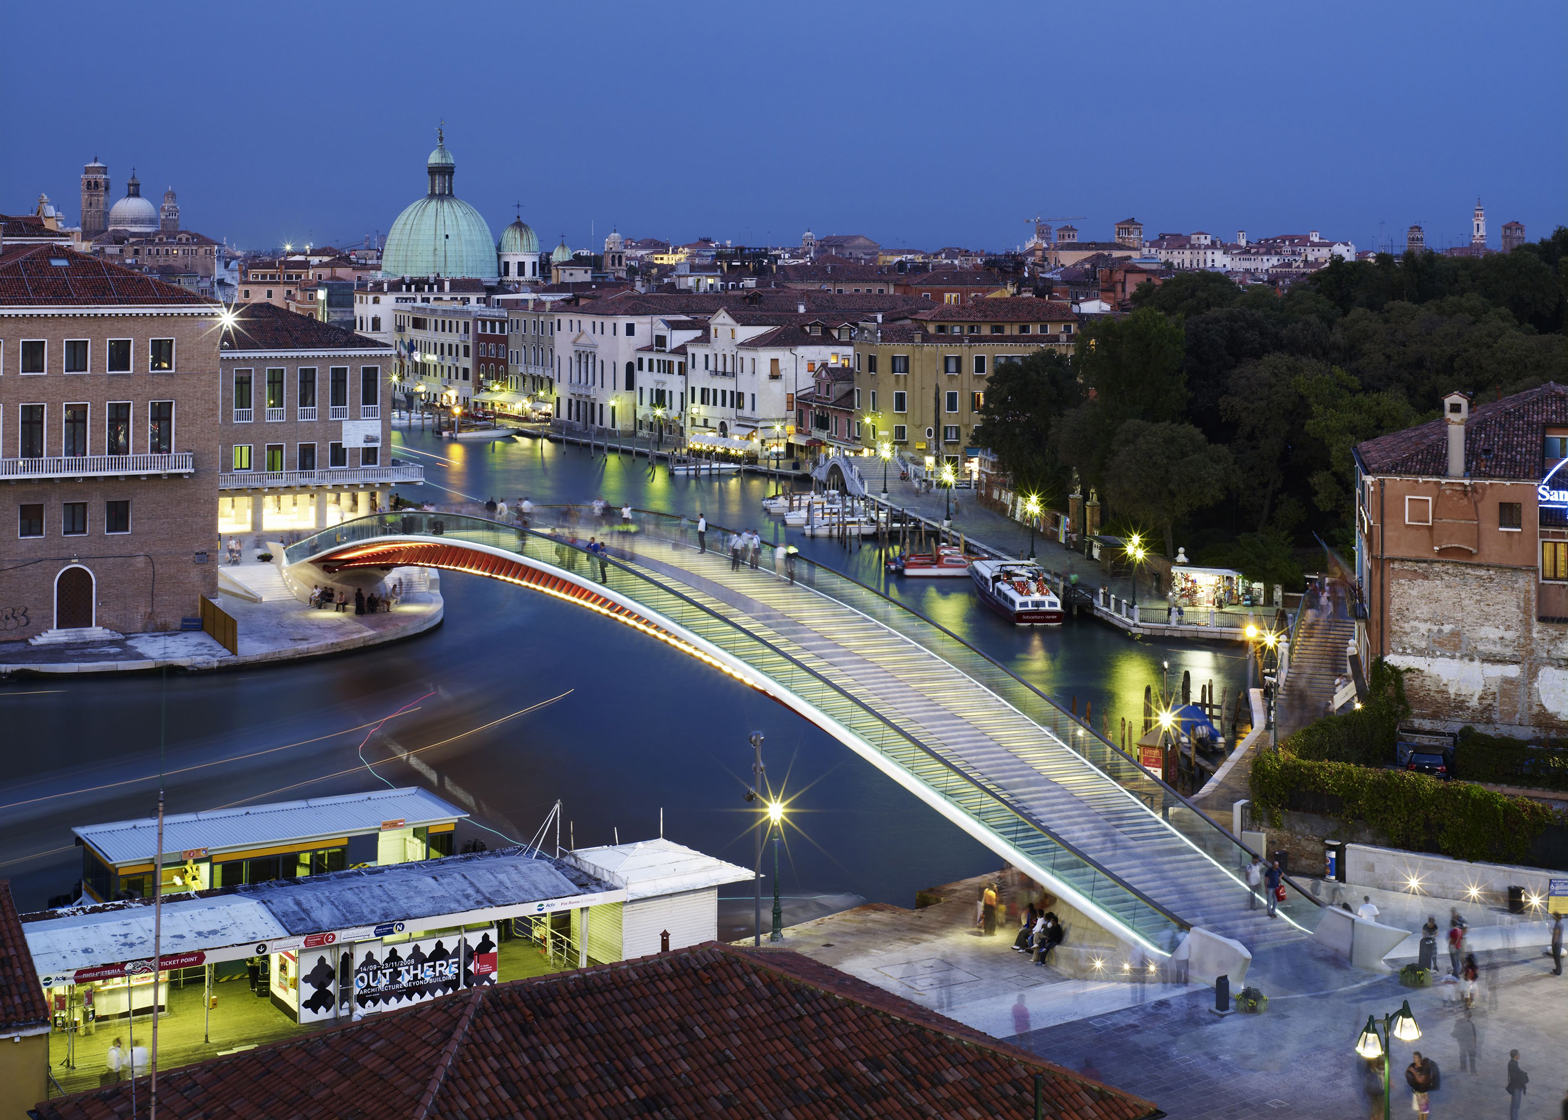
(643, 729)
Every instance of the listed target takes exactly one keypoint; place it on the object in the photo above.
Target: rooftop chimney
(800, 308)
(1456, 410)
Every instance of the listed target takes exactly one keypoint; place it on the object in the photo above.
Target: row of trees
(1230, 414)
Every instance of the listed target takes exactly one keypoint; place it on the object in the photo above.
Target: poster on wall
(391, 976)
(481, 961)
(318, 983)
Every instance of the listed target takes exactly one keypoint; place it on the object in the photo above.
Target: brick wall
(1477, 654)
(148, 578)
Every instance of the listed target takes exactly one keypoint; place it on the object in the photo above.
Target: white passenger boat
(1018, 591)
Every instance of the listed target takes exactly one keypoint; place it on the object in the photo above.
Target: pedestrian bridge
(961, 732)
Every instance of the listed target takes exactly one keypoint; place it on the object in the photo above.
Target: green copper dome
(440, 234)
(519, 237)
(562, 254)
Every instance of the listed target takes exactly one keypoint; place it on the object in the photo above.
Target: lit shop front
(244, 965)
(263, 843)
(1206, 587)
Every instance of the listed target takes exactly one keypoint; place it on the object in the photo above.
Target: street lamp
(775, 818)
(658, 414)
(752, 795)
(948, 478)
(1137, 552)
(1031, 511)
(1369, 1045)
(885, 452)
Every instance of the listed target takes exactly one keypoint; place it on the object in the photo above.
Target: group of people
(120, 1062)
(1267, 878)
(1039, 932)
(1424, 1078)
(503, 512)
(321, 598)
(745, 546)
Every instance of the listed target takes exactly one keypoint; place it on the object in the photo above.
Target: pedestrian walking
(1464, 1035)
(1372, 1086)
(736, 543)
(500, 510)
(702, 532)
(359, 600)
(1517, 1080)
(626, 514)
(780, 558)
(1557, 945)
(114, 1061)
(527, 508)
(1271, 879)
(1456, 940)
(1367, 911)
(988, 914)
(1469, 978)
(140, 1062)
(754, 549)
(789, 562)
(1254, 882)
(1420, 1075)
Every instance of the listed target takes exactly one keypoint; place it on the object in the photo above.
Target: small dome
(562, 254)
(440, 158)
(614, 242)
(134, 214)
(519, 237)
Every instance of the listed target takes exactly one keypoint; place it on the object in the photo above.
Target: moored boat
(1018, 591)
(949, 561)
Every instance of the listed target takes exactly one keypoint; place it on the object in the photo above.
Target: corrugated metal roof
(220, 830)
(61, 945)
(404, 892)
(657, 867)
(416, 890)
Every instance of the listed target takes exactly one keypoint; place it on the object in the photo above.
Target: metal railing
(85, 466)
(337, 412)
(337, 476)
(370, 412)
(274, 415)
(970, 793)
(1205, 834)
(307, 412)
(244, 415)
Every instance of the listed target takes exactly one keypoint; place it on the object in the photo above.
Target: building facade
(108, 424)
(304, 424)
(1462, 555)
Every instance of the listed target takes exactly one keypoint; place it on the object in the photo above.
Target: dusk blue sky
(916, 124)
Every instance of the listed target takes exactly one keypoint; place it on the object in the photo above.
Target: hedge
(1411, 810)
(1505, 761)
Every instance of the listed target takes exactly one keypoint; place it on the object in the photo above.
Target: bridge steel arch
(1156, 929)
(1077, 816)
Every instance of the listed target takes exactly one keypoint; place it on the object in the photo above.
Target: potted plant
(1252, 1000)
(1414, 976)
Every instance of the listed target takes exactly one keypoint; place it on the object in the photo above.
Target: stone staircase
(262, 580)
(1317, 657)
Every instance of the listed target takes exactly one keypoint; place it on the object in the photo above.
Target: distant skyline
(753, 124)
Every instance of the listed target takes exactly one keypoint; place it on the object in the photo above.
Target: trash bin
(1282, 857)
(1334, 861)
(1428, 958)
(1516, 900)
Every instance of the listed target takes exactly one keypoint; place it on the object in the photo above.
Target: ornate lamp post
(885, 452)
(658, 414)
(1371, 1046)
(1135, 552)
(1031, 511)
(775, 819)
(948, 478)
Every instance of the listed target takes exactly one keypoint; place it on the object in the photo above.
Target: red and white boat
(949, 561)
(1018, 591)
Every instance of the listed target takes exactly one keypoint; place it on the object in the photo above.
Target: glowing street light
(1136, 552)
(658, 414)
(885, 452)
(1031, 511)
(1371, 1046)
(948, 478)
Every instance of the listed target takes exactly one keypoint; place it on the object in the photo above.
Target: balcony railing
(244, 415)
(98, 466)
(307, 413)
(334, 476)
(370, 412)
(338, 412)
(274, 415)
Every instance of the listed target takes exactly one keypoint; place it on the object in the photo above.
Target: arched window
(631, 379)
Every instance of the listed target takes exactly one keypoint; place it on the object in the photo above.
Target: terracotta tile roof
(951, 278)
(22, 1004)
(264, 326)
(695, 1032)
(29, 278)
(1003, 309)
(1503, 439)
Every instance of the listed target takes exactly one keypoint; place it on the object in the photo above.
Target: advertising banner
(387, 977)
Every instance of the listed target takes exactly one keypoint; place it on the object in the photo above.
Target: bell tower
(1478, 227)
(169, 212)
(95, 196)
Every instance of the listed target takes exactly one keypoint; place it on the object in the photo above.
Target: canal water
(518, 701)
